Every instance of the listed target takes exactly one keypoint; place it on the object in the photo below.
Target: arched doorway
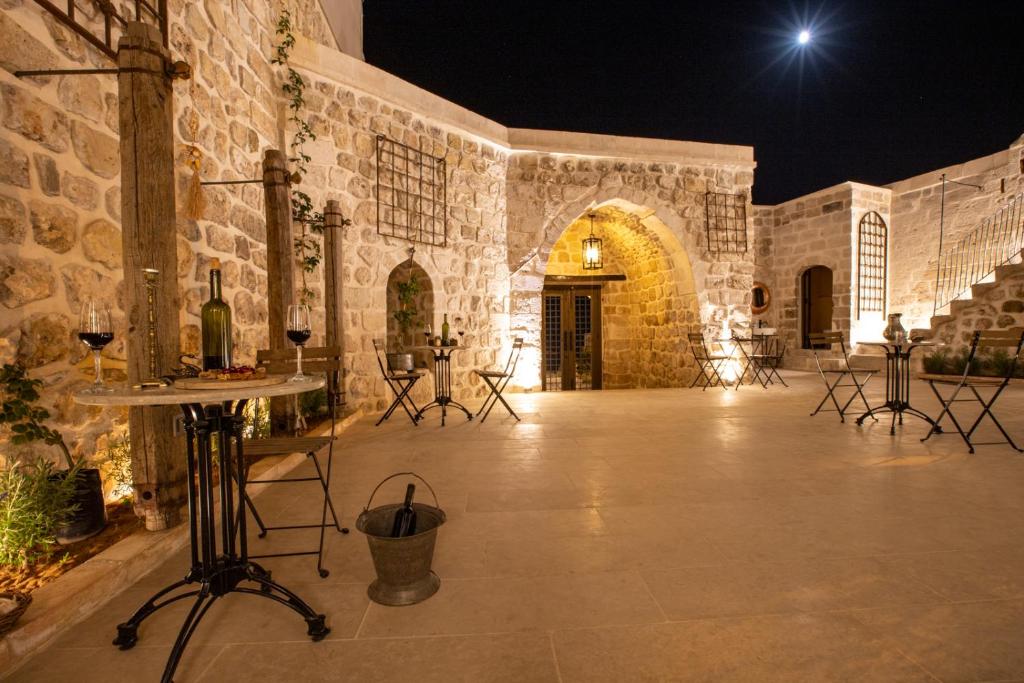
(407, 319)
(815, 302)
(625, 325)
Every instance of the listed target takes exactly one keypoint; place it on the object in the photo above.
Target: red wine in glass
(298, 329)
(96, 331)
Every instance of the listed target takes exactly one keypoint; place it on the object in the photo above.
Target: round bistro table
(211, 414)
(442, 381)
(897, 384)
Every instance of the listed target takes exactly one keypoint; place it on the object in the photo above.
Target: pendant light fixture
(592, 250)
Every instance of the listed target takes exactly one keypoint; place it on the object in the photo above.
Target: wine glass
(460, 328)
(426, 333)
(96, 331)
(298, 331)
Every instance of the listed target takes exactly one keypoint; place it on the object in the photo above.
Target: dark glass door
(815, 302)
(571, 321)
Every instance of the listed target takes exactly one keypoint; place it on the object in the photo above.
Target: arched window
(872, 238)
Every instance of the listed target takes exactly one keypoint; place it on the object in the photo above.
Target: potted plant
(405, 316)
(25, 420)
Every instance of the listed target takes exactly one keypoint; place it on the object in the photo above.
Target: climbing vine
(307, 244)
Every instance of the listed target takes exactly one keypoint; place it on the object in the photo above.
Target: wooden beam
(146, 128)
(280, 271)
(582, 279)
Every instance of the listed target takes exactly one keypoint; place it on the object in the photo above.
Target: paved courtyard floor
(640, 535)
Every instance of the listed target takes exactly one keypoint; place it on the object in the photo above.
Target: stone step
(980, 288)
(922, 332)
(1008, 270)
(939, 320)
(868, 361)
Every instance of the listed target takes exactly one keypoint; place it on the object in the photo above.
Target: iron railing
(101, 22)
(995, 242)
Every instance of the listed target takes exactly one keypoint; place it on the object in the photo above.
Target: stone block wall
(916, 205)
(998, 306)
(60, 200)
(547, 193)
(820, 229)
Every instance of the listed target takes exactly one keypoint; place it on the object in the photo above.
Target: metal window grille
(412, 195)
(553, 343)
(582, 342)
(726, 222)
(871, 264)
(100, 22)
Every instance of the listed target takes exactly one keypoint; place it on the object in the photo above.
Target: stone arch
(675, 243)
(423, 304)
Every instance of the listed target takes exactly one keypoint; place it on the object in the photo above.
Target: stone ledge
(76, 595)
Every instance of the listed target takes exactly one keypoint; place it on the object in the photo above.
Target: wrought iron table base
(217, 572)
(897, 391)
(443, 386)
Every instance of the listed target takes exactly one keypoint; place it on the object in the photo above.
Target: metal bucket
(403, 564)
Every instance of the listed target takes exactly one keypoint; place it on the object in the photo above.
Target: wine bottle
(445, 331)
(405, 517)
(216, 323)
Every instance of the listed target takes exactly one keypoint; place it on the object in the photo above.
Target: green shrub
(937, 363)
(257, 420)
(313, 404)
(35, 501)
(19, 412)
(119, 456)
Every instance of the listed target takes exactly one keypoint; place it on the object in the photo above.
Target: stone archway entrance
(623, 326)
(815, 303)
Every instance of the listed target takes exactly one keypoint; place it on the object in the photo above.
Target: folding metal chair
(497, 380)
(316, 360)
(982, 339)
(858, 377)
(761, 361)
(401, 383)
(710, 364)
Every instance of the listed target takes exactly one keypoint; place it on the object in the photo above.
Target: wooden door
(815, 303)
(571, 333)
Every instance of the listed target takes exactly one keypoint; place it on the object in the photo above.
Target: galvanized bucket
(403, 569)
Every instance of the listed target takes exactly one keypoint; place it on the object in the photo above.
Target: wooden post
(146, 127)
(334, 222)
(280, 271)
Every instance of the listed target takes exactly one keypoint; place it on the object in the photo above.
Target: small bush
(313, 404)
(937, 363)
(119, 457)
(35, 501)
(257, 420)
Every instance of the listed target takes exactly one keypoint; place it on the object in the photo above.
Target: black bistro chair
(400, 383)
(710, 364)
(843, 376)
(982, 339)
(497, 380)
(325, 360)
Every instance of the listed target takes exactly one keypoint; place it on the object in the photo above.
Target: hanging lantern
(592, 250)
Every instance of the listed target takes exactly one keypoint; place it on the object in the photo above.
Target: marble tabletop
(126, 396)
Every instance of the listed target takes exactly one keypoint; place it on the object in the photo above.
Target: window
(726, 216)
(871, 264)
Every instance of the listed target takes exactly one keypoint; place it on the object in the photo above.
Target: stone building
(679, 230)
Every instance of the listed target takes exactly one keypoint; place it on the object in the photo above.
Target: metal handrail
(994, 242)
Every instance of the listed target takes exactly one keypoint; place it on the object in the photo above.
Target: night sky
(884, 90)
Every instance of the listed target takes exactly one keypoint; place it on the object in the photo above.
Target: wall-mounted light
(592, 249)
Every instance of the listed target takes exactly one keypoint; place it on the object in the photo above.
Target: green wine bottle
(445, 331)
(216, 324)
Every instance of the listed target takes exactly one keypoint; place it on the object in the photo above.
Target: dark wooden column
(146, 127)
(280, 271)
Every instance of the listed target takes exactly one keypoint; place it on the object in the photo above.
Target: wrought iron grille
(552, 343)
(872, 238)
(101, 22)
(998, 240)
(726, 222)
(582, 342)
(412, 194)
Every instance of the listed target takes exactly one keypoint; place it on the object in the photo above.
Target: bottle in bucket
(405, 516)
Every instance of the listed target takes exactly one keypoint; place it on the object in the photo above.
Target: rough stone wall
(547, 193)
(468, 277)
(998, 305)
(60, 199)
(644, 319)
(916, 207)
(763, 220)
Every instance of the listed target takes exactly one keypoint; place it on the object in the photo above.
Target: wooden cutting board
(200, 383)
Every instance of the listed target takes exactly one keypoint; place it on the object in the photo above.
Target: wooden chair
(710, 364)
(325, 360)
(400, 383)
(982, 339)
(497, 380)
(858, 377)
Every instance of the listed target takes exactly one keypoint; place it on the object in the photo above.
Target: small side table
(211, 414)
(897, 384)
(442, 382)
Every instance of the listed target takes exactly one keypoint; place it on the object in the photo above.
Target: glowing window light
(592, 248)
